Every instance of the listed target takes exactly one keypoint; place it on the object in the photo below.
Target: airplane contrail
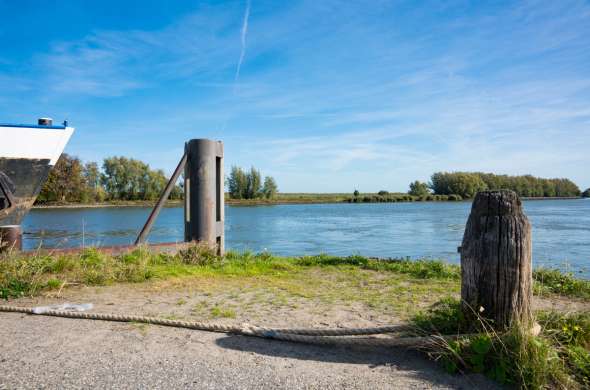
(243, 38)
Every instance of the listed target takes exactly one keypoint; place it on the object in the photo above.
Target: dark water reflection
(561, 229)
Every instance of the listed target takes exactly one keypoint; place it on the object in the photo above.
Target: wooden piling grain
(496, 268)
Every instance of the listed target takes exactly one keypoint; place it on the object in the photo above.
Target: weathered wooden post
(10, 238)
(204, 195)
(496, 269)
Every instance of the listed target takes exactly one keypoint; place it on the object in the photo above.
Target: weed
(199, 308)
(444, 317)
(554, 281)
(558, 358)
(22, 274)
(141, 327)
(53, 284)
(578, 360)
(325, 260)
(423, 269)
(220, 312)
(199, 254)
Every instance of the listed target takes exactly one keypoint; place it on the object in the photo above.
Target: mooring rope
(301, 335)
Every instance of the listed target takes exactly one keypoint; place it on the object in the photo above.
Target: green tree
(237, 183)
(178, 190)
(418, 188)
(153, 184)
(246, 185)
(92, 175)
(356, 193)
(269, 189)
(468, 184)
(115, 177)
(586, 194)
(254, 189)
(122, 179)
(65, 182)
(129, 179)
(94, 191)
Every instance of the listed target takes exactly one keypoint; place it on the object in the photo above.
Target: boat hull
(24, 178)
(27, 155)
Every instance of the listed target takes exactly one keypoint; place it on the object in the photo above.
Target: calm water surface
(561, 229)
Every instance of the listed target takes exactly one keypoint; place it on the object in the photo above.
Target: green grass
(553, 281)
(22, 274)
(222, 312)
(25, 274)
(559, 357)
(28, 275)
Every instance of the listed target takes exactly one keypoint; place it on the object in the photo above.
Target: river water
(561, 229)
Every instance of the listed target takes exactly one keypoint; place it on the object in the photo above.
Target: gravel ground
(50, 352)
(47, 352)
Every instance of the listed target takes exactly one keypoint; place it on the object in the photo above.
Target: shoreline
(254, 202)
(103, 205)
(263, 290)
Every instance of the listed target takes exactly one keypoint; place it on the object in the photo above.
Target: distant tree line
(119, 179)
(419, 189)
(467, 184)
(249, 185)
(386, 197)
(586, 194)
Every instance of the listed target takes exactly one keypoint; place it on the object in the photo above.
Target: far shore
(176, 203)
(283, 199)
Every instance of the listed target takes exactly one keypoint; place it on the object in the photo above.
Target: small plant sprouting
(221, 312)
(557, 358)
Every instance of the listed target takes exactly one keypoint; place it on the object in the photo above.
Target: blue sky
(325, 96)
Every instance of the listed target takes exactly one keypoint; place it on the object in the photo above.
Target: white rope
(301, 335)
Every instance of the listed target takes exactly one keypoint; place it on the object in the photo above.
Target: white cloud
(367, 93)
(243, 34)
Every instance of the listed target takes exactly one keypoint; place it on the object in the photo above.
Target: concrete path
(44, 352)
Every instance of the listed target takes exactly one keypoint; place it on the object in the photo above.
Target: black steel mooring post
(204, 195)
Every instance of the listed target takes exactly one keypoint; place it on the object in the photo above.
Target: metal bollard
(204, 193)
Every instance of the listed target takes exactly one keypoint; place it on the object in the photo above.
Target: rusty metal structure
(202, 163)
(204, 195)
(142, 236)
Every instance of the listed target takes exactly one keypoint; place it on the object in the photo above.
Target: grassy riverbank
(423, 293)
(29, 274)
(287, 198)
(281, 198)
(117, 203)
(305, 198)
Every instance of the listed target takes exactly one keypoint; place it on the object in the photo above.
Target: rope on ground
(299, 335)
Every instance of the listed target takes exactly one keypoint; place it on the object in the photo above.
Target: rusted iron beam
(163, 197)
